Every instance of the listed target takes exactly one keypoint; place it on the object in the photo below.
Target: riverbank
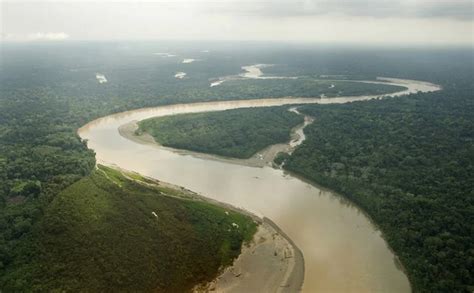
(271, 253)
(271, 263)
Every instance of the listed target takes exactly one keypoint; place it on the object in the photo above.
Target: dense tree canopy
(408, 162)
(233, 133)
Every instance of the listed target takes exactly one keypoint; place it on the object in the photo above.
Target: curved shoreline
(224, 105)
(296, 278)
(348, 202)
(271, 254)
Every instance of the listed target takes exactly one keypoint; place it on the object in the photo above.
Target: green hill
(109, 232)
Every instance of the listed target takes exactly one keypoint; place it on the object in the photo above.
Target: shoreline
(270, 263)
(346, 201)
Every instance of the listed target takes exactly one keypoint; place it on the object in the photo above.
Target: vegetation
(280, 158)
(107, 232)
(236, 133)
(40, 155)
(409, 163)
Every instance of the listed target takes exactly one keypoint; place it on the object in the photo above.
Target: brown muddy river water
(343, 250)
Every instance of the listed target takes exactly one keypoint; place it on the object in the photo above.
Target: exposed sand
(271, 263)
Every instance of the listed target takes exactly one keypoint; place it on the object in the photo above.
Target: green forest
(100, 234)
(409, 163)
(236, 133)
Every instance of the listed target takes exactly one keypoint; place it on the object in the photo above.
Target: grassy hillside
(100, 234)
(234, 133)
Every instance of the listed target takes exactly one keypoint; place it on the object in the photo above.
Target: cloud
(39, 36)
(48, 36)
(454, 9)
(402, 22)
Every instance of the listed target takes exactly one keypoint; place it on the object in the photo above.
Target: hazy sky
(426, 22)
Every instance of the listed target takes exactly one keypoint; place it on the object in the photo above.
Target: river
(343, 250)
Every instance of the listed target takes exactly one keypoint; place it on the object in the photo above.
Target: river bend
(343, 250)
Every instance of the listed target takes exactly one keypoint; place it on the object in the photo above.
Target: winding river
(343, 250)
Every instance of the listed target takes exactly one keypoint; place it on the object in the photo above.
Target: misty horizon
(364, 23)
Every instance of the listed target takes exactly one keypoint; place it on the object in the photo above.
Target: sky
(362, 22)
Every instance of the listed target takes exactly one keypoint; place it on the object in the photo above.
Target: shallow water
(343, 251)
